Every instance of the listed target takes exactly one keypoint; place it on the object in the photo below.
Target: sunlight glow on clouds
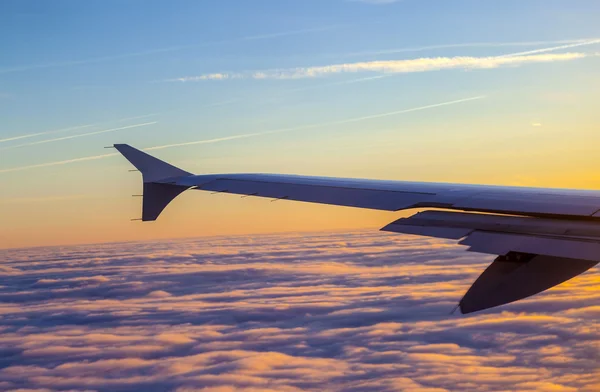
(355, 311)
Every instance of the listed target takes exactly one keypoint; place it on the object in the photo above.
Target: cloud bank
(357, 311)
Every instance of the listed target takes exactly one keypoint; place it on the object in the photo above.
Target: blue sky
(333, 74)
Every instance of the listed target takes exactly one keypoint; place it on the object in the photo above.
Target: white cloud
(423, 64)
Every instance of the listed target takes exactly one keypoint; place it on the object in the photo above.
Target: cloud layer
(356, 311)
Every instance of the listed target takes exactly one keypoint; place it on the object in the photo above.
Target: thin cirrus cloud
(424, 64)
(249, 135)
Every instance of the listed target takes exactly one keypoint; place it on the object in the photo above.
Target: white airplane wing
(543, 237)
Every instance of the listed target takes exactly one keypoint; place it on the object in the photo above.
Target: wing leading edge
(542, 237)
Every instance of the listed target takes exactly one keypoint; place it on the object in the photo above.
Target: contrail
(163, 50)
(464, 45)
(78, 135)
(45, 133)
(248, 135)
(552, 49)
(93, 158)
(30, 135)
(425, 64)
(319, 125)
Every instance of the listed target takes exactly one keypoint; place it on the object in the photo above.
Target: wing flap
(502, 244)
(451, 233)
(499, 223)
(524, 202)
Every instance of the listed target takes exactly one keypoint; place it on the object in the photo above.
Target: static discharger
(455, 309)
(281, 198)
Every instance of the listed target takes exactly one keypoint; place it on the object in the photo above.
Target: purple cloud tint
(358, 311)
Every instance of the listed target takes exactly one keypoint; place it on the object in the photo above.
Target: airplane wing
(542, 237)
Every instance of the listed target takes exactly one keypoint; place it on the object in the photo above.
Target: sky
(350, 311)
(497, 92)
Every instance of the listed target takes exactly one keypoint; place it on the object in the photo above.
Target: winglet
(158, 177)
(153, 169)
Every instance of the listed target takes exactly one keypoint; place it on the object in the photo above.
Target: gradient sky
(337, 80)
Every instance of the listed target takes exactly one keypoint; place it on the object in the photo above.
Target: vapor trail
(465, 45)
(319, 125)
(162, 50)
(45, 133)
(248, 135)
(552, 49)
(425, 64)
(78, 135)
(93, 158)
(30, 135)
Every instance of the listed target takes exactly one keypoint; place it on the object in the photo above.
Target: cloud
(391, 66)
(354, 311)
(244, 136)
(424, 64)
